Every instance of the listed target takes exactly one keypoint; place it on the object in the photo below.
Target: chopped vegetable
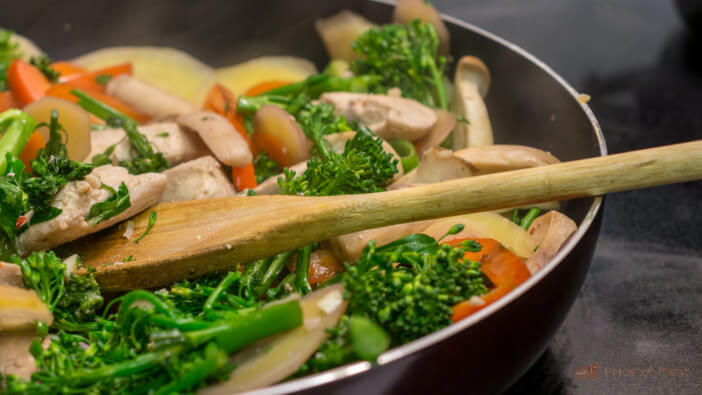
(243, 76)
(146, 161)
(408, 155)
(368, 339)
(404, 57)
(152, 222)
(17, 127)
(31, 149)
(9, 51)
(504, 270)
(363, 167)
(277, 134)
(265, 167)
(75, 121)
(115, 204)
(26, 82)
(43, 63)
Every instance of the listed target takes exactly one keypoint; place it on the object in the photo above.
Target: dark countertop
(637, 316)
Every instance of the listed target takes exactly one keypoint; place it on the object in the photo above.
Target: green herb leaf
(152, 221)
(103, 79)
(115, 204)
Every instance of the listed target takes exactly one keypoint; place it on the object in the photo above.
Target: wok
(528, 104)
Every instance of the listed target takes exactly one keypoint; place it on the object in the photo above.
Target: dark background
(640, 305)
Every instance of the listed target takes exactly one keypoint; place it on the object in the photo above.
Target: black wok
(528, 104)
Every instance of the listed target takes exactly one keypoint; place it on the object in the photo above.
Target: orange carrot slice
(26, 82)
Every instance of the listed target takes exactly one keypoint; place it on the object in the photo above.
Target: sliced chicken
(177, 144)
(201, 178)
(148, 99)
(220, 136)
(549, 231)
(387, 116)
(15, 357)
(10, 274)
(76, 198)
(349, 247)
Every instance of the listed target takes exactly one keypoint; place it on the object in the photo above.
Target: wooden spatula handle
(586, 177)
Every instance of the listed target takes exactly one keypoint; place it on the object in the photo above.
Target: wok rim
(427, 341)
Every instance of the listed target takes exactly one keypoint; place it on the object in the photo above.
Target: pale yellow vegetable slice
(169, 69)
(26, 46)
(487, 226)
(339, 31)
(72, 117)
(277, 357)
(21, 309)
(239, 78)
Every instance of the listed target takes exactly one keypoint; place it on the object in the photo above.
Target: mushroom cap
(472, 69)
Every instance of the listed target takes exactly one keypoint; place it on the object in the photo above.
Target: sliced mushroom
(220, 136)
(445, 122)
(277, 133)
(147, 98)
(497, 158)
(20, 309)
(471, 82)
(409, 10)
(389, 117)
(339, 31)
(348, 247)
(438, 164)
(549, 232)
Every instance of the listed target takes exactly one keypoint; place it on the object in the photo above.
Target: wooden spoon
(192, 238)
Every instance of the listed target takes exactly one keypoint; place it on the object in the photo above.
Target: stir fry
(89, 143)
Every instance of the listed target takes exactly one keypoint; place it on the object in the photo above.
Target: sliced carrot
(67, 69)
(7, 101)
(26, 82)
(504, 269)
(244, 177)
(34, 144)
(63, 91)
(222, 101)
(265, 86)
(88, 80)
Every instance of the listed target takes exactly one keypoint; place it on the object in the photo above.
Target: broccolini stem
(132, 366)
(272, 273)
(98, 108)
(223, 285)
(530, 217)
(255, 272)
(18, 126)
(439, 85)
(302, 284)
(240, 331)
(214, 359)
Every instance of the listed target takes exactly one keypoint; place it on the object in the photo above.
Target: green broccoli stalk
(146, 161)
(404, 57)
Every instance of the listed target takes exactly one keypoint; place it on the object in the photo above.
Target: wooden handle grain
(198, 237)
(587, 177)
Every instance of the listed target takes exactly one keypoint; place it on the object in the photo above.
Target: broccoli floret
(363, 167)
(265, 167)
(410, 286)
(404, 57)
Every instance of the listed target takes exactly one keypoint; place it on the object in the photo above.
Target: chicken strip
(177, 144)
(201, 178)
(76, 199)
